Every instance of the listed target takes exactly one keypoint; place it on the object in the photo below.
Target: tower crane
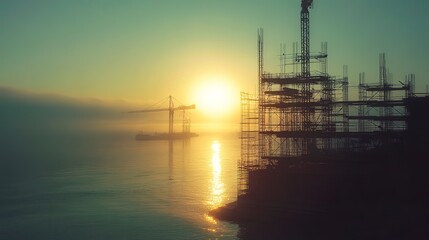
(171, 134)
(305, 37)
(305, 64)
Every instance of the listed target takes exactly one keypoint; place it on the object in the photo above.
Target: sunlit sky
(145, 50)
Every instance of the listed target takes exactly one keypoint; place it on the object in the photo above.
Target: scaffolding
(249, 140)
(298, 114)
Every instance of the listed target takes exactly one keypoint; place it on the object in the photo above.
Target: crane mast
(305, 37)
(170, 115)
(170, 110)
(305, 61)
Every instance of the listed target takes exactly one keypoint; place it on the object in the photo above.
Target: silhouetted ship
(165, 136)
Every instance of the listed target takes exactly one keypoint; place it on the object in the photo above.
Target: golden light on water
(210, 219)
(217, 185)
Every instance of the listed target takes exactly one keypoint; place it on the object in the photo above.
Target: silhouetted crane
(170, 110)
(305, 37)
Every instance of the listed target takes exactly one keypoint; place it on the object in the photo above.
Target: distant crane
(171, 135)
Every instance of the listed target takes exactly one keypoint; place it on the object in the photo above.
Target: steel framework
(300, 114)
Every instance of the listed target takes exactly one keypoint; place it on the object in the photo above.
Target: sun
(216, 97)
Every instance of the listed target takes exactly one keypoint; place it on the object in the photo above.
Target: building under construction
(305, 110)
(308, 149)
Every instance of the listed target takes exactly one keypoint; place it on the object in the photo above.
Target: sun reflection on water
(217, 185)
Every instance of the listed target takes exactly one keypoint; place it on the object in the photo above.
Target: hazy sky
(146, 50)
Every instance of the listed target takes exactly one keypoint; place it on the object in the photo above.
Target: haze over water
(62, 180)
(70, 167)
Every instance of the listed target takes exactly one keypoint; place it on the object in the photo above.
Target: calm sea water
(105, 185)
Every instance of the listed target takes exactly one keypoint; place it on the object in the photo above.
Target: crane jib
(171, 109)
